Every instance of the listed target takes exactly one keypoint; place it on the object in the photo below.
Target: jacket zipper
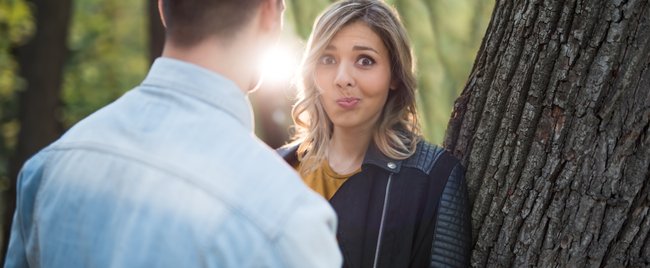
(381, 224)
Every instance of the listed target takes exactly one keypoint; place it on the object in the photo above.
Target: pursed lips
(348, 103)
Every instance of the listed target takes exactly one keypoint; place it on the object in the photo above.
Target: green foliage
(108, 54)
(302, 14)
(446, 35)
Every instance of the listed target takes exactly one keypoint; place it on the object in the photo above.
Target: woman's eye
(365, 61)
(327, 60)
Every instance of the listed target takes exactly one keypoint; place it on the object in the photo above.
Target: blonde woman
(401, 202)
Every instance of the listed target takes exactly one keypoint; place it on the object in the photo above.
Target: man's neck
(230, 60)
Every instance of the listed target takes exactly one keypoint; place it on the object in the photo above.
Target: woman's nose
(344, 77)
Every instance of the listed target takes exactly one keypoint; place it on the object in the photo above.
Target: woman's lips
(348, 103)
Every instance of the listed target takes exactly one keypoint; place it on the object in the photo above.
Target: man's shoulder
(270, 190)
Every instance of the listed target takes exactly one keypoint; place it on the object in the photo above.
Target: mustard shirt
(326, 181)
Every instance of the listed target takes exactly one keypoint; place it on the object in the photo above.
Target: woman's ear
(394, 84)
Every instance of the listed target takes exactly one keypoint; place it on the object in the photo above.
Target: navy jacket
(403, 213)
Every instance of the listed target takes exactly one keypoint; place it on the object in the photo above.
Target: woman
(401, 201)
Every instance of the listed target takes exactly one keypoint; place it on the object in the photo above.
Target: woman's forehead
(356, 35)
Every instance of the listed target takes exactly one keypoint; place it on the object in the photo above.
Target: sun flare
(280, 64)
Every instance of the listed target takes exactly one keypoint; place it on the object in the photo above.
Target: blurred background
(61, 60)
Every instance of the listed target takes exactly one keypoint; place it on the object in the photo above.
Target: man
(170, 174)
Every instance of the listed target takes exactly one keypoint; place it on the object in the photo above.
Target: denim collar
(203, 84)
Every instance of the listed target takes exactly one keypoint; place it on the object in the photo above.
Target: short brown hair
(190, 21)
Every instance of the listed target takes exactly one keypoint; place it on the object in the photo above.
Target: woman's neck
(347, 149)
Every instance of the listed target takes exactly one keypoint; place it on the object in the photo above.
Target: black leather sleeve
(452, 236)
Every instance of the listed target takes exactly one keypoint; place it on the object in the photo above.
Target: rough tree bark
(553, 127)
(41, 62)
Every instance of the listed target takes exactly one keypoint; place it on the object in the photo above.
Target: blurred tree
(302, 14)
(16, 26)
(554, 128)
(445, 36)
(41, 66)
(108, 55)
(104, 57)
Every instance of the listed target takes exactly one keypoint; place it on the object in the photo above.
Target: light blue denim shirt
(169, 175)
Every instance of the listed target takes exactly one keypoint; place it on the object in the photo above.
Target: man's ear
(271, 14)
(162, 13)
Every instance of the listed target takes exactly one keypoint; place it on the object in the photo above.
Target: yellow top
(326, 181)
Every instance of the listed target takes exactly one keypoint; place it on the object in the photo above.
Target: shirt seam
(183, 175)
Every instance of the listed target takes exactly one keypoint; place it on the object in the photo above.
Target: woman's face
(353, 77)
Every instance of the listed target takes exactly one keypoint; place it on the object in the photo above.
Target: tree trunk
(156, 31)
(553, 127)
(41, 62)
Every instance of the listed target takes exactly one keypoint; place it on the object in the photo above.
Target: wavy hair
(397, 131)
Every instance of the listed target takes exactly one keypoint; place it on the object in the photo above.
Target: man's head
(188, 22)
(226, 36)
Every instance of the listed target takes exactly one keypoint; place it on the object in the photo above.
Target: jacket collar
(373, 156)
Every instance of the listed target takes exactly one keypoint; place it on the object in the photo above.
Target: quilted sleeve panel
(452, 237)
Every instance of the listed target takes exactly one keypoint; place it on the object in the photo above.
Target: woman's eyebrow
(363, 48)
(356, 48)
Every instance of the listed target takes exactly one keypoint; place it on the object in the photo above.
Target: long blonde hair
(397, 131)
